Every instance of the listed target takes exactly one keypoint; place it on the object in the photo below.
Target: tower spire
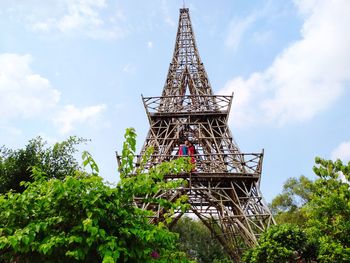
(186, 71)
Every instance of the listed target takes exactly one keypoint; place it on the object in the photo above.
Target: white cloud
(128, 68)
(165, 11)
(42, 26)
(23, 93)
(70, 17)
(71, 116)
(81, 14)
(49, 139)
(342, 152)
(263, 37)
(150, 44)
(237, 29)
(307, 77)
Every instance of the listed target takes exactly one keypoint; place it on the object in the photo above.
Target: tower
(223, 189)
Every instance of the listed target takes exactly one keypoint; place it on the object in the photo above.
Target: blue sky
(79, 67)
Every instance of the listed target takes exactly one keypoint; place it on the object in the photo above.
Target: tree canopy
(287, 206)
(328, 211)
(78, 217)
(197, 242)
(323, 234)
(55, 161)
(280, 243)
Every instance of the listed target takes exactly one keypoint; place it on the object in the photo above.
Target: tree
(197, 241)
(81, 218)
(328, 211)
(287, 206)
(325, 235)
(56, 162)
(280, 243)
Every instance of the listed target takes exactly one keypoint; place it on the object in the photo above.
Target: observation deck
(177, 106)
(211, 167)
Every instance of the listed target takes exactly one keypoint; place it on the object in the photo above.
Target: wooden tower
(223, 190)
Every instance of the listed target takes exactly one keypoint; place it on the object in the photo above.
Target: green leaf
(108, 259)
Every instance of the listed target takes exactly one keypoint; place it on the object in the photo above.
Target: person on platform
(183, 150)
(188, 149)
(191, 151)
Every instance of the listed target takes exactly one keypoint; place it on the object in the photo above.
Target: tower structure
(223, 190)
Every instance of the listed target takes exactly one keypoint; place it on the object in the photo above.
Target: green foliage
(325, 210)
(287, 206)
(80, 218)
(279, 243)
(55, 162)
(197, 242)
(328, 211)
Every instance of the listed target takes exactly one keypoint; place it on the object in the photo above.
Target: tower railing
(187, 104)
(240, 164)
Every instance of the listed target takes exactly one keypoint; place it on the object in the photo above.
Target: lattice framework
(224, 189)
